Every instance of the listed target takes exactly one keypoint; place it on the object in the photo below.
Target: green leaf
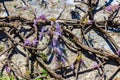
(5, 78)
(44, 56)
(0, 78)
(27, 73)
(15, 6)
(44, 71)
(42, 43)
(1, 74)
(44, 74)
(12, 77)
(1, 48)
(58, 1)
(42, 5)
(38, 79)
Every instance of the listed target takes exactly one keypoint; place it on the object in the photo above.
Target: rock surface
(52, 10)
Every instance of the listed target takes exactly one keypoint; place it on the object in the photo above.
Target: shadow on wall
(75, 15)
(5, 0)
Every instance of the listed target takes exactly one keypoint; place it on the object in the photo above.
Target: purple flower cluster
(34, 42)
(55, 42)
(39, 18)
(56, 34)
(42, 32)
(29, 43)
(58, 26)
(111, 8)
(42, 17)
(59, 57)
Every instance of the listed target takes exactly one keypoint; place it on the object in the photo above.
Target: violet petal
(52, 23)
(72, 66)
(34, 42)
(42, 16)
(90, 21)
(83, 62)
(43, 29)
(58, 51)
(118, 52)
(35, 22)
(54, 42)
(95, 65)
(109, 8)
(7, 69)
(58, 26)
(57, 33)
(40, 35)
(27, 42)
(63, 60)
